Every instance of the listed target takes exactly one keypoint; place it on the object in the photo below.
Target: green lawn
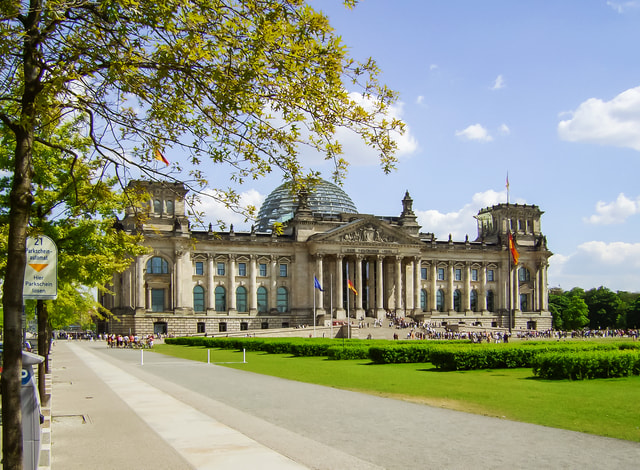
(607, 407)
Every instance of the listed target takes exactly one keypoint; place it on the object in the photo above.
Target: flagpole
(331, 303)
(348, 316)
(509, 278)
(314, 306)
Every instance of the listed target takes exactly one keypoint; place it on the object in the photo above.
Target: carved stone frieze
(368, 234)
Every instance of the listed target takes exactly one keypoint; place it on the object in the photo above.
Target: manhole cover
(70, 420)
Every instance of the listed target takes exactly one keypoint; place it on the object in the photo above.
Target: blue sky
(548, 91)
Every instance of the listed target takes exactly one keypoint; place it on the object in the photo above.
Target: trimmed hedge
(587, 364)
(349, 352)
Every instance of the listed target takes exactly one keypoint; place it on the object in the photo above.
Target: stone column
(358, 298)
(416, 285)
(341, 313)
(399, 305)
(139, 281)
(380, 312)
(177, 280)
(211, 294)
(544, 293)
(320, 295)
(273, 291)
(253, 286)
(450, 288)
(482, 295)
(433, 297)
(516, 289)
(232, 284)
(466, 298)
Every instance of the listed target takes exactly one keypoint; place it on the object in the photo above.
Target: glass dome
(325, 199)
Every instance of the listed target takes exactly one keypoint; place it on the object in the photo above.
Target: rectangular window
(200, 327)
(490, 275)
(283, 270)
(157, 300)
(199, 268)
(458, 274)
(220, 269)
(263, 269)
(440, 274)
(423, 274)
(222, 327)
(474, 274)
(242, 269)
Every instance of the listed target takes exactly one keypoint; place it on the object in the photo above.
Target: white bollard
(142, 357)
(244, 356)
(208, 356)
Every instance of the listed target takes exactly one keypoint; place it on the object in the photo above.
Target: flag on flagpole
(512, 248)
(157, 154)
(317, 285)
(507, 181)
(350, 286)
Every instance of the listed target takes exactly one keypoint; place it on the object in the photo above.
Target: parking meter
(31, 417)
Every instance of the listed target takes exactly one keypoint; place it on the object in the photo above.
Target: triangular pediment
(366, 230)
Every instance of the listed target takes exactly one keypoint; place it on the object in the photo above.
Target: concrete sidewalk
(106, 418)
(110, 411)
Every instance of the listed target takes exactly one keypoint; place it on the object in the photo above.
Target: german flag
(157, 154)
(512, 248)
(350, 286)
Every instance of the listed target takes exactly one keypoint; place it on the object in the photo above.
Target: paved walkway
(110, 410)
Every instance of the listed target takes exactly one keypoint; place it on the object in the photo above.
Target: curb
(45, 436)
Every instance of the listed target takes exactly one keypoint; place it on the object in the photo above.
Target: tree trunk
(20, 204)
(20, 200)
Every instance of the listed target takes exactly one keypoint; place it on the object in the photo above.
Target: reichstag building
(206, 282)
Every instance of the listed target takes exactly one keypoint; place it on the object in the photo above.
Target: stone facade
(195, 282)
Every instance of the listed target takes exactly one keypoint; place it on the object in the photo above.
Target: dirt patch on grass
(447, 403)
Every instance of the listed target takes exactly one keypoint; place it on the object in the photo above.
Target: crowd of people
(130, 341)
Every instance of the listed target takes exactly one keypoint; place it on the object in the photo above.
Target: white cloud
(615, 122)
(462, 222)
(595, 263)
(498, 83)
(433, 67)
(214, 210)
(357, 152)
(504, 129)
(420, 100)
(614, 212)
(621, 7)
(475, 132)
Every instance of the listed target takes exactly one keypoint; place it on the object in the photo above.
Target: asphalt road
(156, 413)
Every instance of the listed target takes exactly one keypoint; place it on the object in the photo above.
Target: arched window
(524, 302)
(157, 206)
(490, 300)
(221, 299)
(169, 207)
(241, 299)
(423, 300)
(524, 274)
(457, 300)
(198, 299)
(263, 304)
(157, 265)
(440, 300)
(473, 300)
(283, 300)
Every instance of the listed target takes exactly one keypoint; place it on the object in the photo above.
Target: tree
(576, 314)
(243, 83)
(605, 308)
